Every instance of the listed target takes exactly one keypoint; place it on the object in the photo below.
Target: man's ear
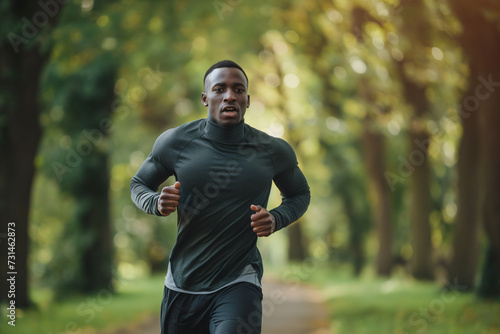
(204, 99)
(248, 101)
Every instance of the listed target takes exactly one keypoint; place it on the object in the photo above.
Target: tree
(465, 256)
(82, 169)
(416, 31)
(373, 142)
(79, 87)
(480, 40)
(23, 55)
(317, 43)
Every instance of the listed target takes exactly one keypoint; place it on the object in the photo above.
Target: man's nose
(230, 96)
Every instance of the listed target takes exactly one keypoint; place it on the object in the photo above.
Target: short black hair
(221, 64)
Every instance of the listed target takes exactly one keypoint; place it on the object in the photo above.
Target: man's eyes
(237, 90)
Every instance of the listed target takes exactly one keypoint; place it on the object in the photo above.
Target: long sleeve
(153, 172)
(293, 186)
(295, 195)
(143, 191)
(221, 172)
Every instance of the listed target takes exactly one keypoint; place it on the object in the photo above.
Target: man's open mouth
(230, 110)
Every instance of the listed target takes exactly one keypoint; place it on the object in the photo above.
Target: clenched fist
(169, 199)
(263, 222)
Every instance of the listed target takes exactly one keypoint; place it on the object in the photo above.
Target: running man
(224, 170)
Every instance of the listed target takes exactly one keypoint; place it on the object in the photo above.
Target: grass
(362, 305)
(370, 305)
(134, 301)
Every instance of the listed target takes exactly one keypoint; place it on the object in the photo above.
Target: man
(224, 171)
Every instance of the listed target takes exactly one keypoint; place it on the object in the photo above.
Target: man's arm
(153, 172)
(143, 190)
(295, 195)
(294, 190)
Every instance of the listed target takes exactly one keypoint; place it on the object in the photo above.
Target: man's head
(225, 95)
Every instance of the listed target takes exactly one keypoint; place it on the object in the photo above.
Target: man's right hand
(169, 199)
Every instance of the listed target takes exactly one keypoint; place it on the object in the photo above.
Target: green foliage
(134, 301)
(489, 287)
(316, 72)
(79, 164)
(370, 305)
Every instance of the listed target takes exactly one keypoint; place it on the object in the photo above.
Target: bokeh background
(391, 106)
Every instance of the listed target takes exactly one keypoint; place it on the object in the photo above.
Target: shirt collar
(217, 133)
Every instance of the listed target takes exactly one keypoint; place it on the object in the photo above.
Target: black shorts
(236, 309)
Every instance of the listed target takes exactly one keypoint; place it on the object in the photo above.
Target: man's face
(226, 96)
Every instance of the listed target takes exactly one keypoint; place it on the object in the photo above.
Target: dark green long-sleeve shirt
(221, 172)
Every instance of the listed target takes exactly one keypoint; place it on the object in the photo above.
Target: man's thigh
(183, 313)
(237, 310)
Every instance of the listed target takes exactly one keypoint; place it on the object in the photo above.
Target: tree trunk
(374, 156)
(420, 194)
(297, 242)
(480, 40)
(352, 193)
(20, 138)
(380, 196)
(94, 220)
(417, 164)
(490, 140)
(416, 28)
(89, 100)
(466, 236)
(357, 231)
(296, 247)
(20, 134)
(420, 208)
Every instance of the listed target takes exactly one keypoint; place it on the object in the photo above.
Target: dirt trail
(293, 309)
(286, 309)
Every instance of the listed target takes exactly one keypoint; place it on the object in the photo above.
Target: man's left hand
(263, 222)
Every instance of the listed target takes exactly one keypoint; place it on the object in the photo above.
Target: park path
(286, 309)
(293, 309)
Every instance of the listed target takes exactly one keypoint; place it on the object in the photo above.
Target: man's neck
(219, 133)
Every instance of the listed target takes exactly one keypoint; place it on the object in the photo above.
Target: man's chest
(224, 169)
